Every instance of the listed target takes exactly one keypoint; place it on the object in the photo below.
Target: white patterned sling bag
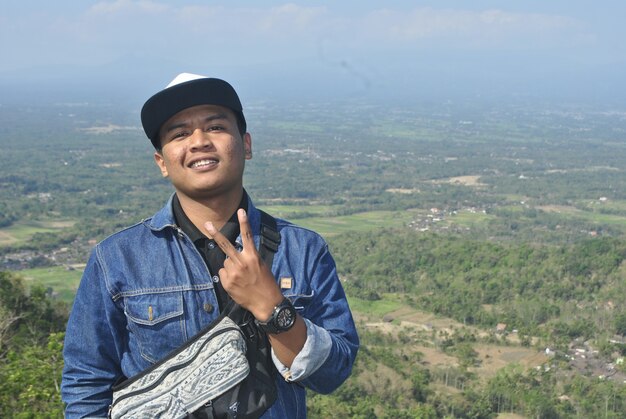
(204, 368)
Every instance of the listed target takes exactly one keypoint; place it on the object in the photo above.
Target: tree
(31, 314)
(31, 341)
(31, 381)
(7, 320)
(620, 324)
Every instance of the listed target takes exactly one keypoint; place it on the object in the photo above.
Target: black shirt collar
(230, 230)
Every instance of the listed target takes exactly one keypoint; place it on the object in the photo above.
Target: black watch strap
(282, 319)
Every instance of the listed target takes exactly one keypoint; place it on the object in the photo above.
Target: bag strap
(270, 238)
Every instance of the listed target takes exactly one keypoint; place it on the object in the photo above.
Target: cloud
(125, 6)
(462, 28)
(110, 29)
(293, 18)
(291, 23)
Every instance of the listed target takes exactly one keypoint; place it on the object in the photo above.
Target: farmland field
(23, 231)
(62, 280)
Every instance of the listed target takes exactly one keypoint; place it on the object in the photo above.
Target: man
(149, 288)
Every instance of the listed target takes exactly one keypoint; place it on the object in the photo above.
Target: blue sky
(125, 49)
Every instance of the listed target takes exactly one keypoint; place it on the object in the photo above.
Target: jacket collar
(164, 218)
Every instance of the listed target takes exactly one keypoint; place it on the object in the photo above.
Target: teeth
(201, 163)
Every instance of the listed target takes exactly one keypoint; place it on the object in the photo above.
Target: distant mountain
(135, 77)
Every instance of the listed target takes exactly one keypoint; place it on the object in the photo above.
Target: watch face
(285, 318)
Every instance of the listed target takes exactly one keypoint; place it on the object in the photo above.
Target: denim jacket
(146, 290)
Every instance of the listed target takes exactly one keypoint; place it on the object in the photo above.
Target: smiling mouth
(203, 163)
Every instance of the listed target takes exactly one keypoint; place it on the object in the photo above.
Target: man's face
(203, 153)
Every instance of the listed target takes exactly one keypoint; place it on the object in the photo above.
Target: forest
(482, 245)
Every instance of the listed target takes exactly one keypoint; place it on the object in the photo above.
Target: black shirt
(211, 253)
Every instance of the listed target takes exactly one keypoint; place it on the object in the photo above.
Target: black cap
(185, 91)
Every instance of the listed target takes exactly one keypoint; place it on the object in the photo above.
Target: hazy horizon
(124, 50)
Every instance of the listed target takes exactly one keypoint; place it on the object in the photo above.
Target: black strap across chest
(270, 238)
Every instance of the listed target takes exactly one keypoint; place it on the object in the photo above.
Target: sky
(307, 50)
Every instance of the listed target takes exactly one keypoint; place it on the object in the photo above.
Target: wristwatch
(282, 319)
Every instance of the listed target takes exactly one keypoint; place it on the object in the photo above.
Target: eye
(177, 135)
(215, 128)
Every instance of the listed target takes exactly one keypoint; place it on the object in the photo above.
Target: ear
(247, 144)
(160, 162)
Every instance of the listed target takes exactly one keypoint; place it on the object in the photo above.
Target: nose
(200, 140)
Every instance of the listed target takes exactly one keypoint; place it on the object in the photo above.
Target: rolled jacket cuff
(313, 354)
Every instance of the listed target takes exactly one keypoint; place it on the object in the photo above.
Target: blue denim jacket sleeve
(92, 363)
(331, 316)
(330, 350)
(315, 351)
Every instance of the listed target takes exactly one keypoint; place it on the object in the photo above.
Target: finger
(247, 239)
(223, 274)
(228, 263)
(224, 244)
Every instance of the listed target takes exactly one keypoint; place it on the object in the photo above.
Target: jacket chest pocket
(156, 323)
(296, 289)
